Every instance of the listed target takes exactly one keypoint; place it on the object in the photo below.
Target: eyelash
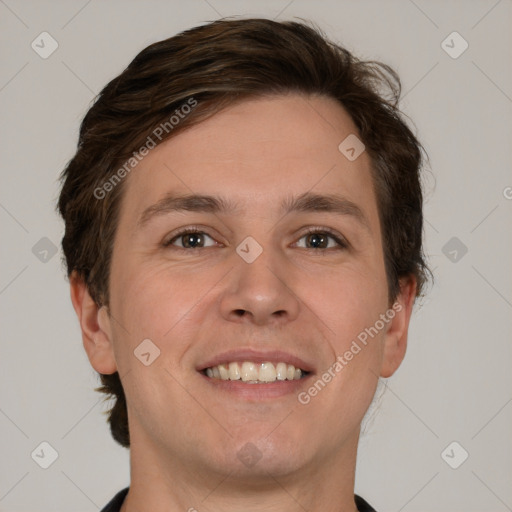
(340, 241)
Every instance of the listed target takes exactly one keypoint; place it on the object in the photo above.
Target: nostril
(239, 312)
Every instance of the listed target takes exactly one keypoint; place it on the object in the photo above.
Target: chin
(268, 455)
(267, 469)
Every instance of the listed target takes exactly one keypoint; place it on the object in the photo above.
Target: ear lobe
(95, 326)
(395, 341)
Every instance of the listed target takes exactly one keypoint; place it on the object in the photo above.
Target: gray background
(454, 384)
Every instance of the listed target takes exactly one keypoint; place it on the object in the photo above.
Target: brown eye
(320, 240)
(191, 240)
(317, 240)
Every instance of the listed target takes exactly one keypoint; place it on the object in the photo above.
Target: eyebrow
(307, 202)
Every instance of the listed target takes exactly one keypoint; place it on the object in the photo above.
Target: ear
(395, 341)
(95, 326)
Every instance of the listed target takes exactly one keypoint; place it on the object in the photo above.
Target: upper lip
(256, 356)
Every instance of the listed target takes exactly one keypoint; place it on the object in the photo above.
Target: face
(248, 245)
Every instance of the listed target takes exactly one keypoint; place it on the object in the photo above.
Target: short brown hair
(219, 64)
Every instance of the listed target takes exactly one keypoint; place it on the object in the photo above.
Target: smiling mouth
(255, 373)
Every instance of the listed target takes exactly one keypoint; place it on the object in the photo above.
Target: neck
(160, 482)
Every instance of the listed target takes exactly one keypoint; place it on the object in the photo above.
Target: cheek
(347, 301)
(157, 304)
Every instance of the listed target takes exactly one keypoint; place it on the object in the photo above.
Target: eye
(191, 239)
(321, 239)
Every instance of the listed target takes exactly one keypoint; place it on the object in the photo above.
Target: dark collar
(115, 504)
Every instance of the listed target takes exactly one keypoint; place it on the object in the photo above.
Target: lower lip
(262, 391)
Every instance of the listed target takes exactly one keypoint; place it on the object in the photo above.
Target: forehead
(256, 152)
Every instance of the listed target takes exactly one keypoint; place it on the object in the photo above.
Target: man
(244, 246)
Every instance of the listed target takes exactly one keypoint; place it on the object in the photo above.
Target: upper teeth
(254, 372)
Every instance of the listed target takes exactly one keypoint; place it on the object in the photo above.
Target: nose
(259, 293)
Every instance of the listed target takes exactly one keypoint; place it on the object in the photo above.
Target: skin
(198, 302)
